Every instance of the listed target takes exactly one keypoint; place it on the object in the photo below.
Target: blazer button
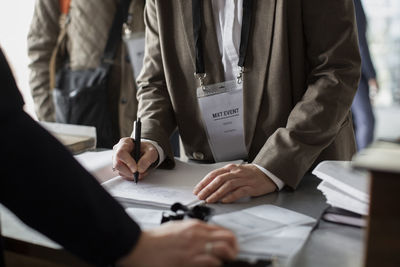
(123, 101)
(198, 155)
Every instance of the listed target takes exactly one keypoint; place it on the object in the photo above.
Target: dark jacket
(49, 191)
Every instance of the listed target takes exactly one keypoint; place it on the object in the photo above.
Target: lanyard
(197, 12)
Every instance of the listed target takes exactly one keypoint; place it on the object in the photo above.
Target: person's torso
(276, 69)
(87, 31)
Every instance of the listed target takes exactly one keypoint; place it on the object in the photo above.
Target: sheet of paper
(282, 244)
(260, 219)
(146, 218)
(13, 227)
(267, 229)
(98, 164)
(162, 187)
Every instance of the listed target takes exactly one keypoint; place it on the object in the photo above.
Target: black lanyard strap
(246, 24)
(197, 13)
(114, 35)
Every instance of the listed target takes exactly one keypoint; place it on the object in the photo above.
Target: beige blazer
(87, 35)
(302, 71)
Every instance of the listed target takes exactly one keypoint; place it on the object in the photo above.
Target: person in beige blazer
(301, 73)
(87, 33)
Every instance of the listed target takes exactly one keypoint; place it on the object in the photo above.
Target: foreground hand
(233, 182)
(183, 243)
(126, 165)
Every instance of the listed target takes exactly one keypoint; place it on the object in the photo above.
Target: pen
(138, 129)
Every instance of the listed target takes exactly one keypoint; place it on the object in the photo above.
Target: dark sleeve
(47, 188)
(10, 98)
(367, 67)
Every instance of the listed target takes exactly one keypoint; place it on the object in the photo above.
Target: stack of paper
(343, 186)
(162, 188)
(77, 138)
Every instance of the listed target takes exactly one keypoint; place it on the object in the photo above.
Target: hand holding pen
(125, 154)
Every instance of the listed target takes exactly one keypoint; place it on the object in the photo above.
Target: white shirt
(228, 24)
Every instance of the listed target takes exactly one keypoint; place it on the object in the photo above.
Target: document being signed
(162, 188)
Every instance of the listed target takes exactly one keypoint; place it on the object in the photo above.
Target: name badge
(221, 106)
(135, 43)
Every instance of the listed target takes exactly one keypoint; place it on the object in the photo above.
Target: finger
(216, 183)
(237, 194)
(225, 236)
(223, 250)
(207, 232)
(122, 153)
(142, 175)
(205, 260)
(210, 227)
(149, 156)
(125, 177)
(209, 177)
(123, 170)
(226, 188)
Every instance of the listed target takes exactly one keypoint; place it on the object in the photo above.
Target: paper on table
(77, 138)
(260, 219)
(284, 243)
(267, 229)
(146, 218)
(162, 187)
(13, 227)
(98, 164)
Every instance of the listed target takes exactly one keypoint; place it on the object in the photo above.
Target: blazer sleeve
(50, 191)
(42, 38)
(367, 67)
(332, 77)
(155, 107)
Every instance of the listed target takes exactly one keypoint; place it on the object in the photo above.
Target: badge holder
(222, 114)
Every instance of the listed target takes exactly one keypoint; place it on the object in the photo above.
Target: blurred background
(383, 38)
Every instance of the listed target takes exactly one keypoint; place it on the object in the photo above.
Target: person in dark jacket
(364, 121)
(48, 190)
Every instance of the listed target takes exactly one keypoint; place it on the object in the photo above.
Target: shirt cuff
(278, 182)
(161, 155)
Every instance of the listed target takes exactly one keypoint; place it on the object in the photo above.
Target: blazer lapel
(212, 56)
(257, 63)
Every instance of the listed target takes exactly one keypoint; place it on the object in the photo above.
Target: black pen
(138, 129)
